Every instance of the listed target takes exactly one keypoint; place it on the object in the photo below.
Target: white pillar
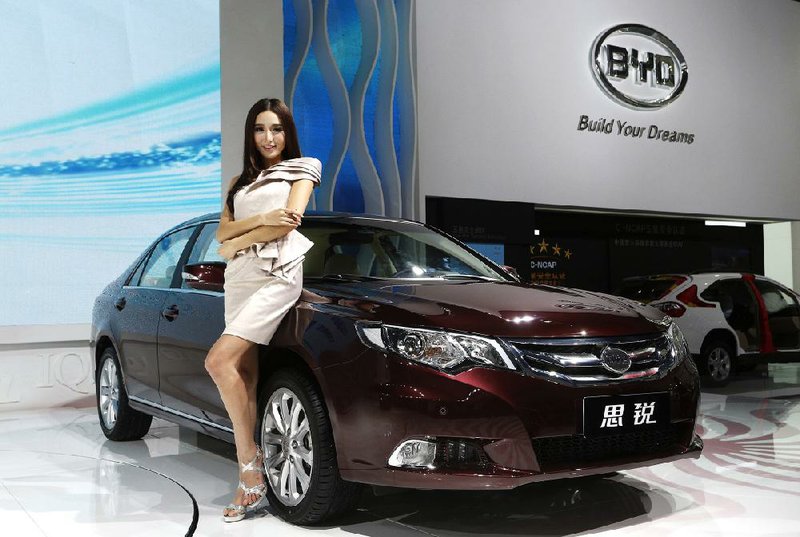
(781, 251)
(795, 245)
(251, 60)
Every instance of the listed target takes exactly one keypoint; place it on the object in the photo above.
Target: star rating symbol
(567, 254)
(543, 246)
(556, 249)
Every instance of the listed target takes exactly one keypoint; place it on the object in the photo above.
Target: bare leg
(249, 370)
(233, 365)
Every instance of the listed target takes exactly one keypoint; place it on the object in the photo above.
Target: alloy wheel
(287, 445)
(719, 364)
(109, 393)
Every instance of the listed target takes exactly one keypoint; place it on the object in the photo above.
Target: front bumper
(529, 429)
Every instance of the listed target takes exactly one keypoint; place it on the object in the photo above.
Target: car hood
(492, 308)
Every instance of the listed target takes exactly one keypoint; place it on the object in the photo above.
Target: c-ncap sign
(638, 66)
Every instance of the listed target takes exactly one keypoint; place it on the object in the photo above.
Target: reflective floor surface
(59, 476)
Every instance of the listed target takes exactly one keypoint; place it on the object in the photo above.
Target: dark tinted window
(735, 299)
(647, 290)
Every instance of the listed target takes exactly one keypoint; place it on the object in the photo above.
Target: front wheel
(117, 419)
(717, 362)
(304, 485)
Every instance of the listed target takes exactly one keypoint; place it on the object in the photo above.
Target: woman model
(263, 278)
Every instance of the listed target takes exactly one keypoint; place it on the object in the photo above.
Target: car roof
(313, 214)
(699, 274)
(309, 215)
(717, 274)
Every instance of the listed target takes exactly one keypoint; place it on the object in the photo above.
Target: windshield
(381, 249)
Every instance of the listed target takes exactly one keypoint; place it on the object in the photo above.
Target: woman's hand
(281, 217)
(228, 249)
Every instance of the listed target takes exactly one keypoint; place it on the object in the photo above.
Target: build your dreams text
(624, 128)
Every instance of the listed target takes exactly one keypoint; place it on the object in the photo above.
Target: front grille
(579, 361)
(460, 454)
(574, 451)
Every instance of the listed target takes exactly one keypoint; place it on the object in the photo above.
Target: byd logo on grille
(638, 66)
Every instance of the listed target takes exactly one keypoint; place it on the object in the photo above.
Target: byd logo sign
(638, 66)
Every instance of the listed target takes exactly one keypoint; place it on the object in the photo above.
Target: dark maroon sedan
(409, 361)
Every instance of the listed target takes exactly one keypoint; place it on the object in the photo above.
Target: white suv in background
(731, 320)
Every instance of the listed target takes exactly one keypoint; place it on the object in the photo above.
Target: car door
(139, 307)
(783, 315)
(195, 322)
(738, 304)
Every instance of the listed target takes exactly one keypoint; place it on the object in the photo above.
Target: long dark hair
(253, 162)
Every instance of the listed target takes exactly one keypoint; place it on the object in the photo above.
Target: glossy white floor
(60, 477)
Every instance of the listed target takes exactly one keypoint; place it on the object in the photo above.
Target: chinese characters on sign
(548, 262)
(468, 233)
(642, 415)
(676, 230)
(665, 235)
(646, 243)
(612, 416)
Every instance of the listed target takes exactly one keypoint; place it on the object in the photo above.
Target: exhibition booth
(587, 151)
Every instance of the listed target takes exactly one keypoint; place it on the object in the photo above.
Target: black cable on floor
(195, 511)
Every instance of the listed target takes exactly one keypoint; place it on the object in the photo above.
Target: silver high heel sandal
(238, 511)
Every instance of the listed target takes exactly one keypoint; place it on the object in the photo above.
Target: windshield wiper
(343, 277)
(456, 276)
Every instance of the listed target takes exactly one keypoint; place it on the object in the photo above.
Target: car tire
(118, 420)
(717, 362)
(303, 482)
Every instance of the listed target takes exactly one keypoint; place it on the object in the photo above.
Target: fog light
(414, 454)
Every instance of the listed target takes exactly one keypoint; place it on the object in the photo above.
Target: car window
(164, 260)
(647, 290)
(388, 250)
(783, 315)
(137, 274)
(204, 249)
(776, 300)
(735, 299)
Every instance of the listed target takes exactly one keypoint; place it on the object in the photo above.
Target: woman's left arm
(299, 196)
(298, 201)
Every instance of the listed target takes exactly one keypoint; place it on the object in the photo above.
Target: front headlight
(434, 348)
(679, 347)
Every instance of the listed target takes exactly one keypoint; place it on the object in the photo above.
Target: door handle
(120, 303)
(171, 312)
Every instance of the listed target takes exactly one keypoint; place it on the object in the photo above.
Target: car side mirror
(511, 270)
(208, 276)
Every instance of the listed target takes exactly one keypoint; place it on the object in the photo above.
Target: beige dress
(264, 281)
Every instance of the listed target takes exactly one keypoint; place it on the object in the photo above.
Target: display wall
(109, 134)
(349, 80)
(503, 85)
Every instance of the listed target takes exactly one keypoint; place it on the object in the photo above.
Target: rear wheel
(303, 482)
(117, 419)
(717, 362)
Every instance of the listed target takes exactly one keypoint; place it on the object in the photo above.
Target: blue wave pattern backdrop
(349, 79)
(109, 134)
